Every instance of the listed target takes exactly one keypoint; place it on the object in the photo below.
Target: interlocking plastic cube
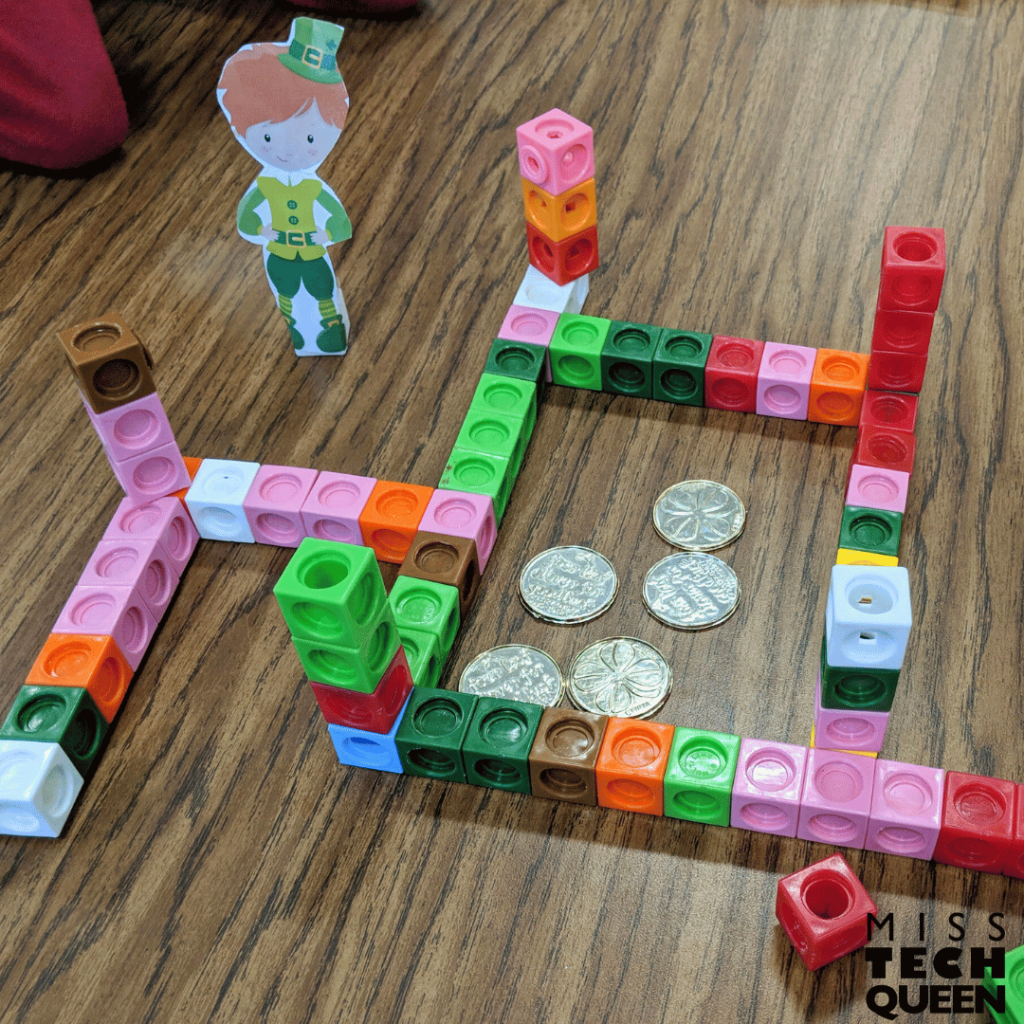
(133, 428)
(868, 616)
(576, 348)
(889, 409)
(529, 324)
(1014, 866)
(885, 448)
(766, 788)
(1007, 990)
(901, 330)
(836, 798)
(273, 505)
(507, 396)
(496, 747)
(559, 216)
(564, 261)
(91, 662)
(978, 817)
(523, 360)
(784, 380)
(153, 474)
(359, 666)
(331, 510)
(870, 529)
(360, 748)
(164, 520)
(493, 434)
(423, 650)
(730, 375)
(838, 383)
(699, 776)
(631, 765)
(627, 359)
(823, 909)
(479, 473)
(856, 687)
(540, 292)
(433, 728)
(372, 712)
(678, 366)
(556, 151)
(391, 517)
(38, 788)
(564, 755)
(462, 514)
(906, 809)
(427, 606)
(450, 561)
(913, 267)
(215, 499)
(141, 564)
(118, 612)
(848, 730)
(896, 371)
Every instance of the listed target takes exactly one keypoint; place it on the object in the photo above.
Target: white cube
(38, 788)
(215, 499)
(868, 617)
(541, 292)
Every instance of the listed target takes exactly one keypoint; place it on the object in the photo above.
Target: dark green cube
(699, 777)
(679, 362)
(433, 728)
(871, 529)
(857, 689)
(496, 750)
(627, 359)
(518, 359)
(65, 715)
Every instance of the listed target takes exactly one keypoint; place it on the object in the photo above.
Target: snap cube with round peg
(273, 504)
(556, 151)
(373, 712)
(784, 380)
(451, 561)
(906, 809)
(215, 499)
(528, 323)
(153, 474)
(699, 775)
(836, 798)
(565, 260)
(856, 687)
(133, 428)
(559, 216)
(730, 374)
(884, 448)
(496, 747)
(351, 667)
(92, 663)
(564, 754)
(1014, 866)
(843, 729)
(493, 433)
(851, 556)
(462, 514)
(868, 616)
(823, 910)
(332, 508)
(480, 473)
(576, 348)
(141, 564)
(896, 371)
(875, 487)
(838, 383)
(114, 611)
(38, 788)
(913, 268)
(391, 517)
(430, 736)
(1005, 990)
(523, 360)
(163, 519)
(537, 291)
(767, 785)
(423, 650)
(902, 330)
(360, 748)
(428, 606)
(111, 365)
(631, 765)
(678, 366)
(507, 396)
(978, 821)
(889, 409)
(870, 529)
(627, 359)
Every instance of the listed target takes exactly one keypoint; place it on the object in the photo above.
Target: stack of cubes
(52, 737)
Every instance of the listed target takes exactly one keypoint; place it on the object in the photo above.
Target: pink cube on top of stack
(556, 161)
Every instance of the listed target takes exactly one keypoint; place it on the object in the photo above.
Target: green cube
(351, 668)
(480, 473)
(627, 359)
(332, 593)
(423, 652)
(1005, 993)
(857, 689)
(496, 750)
(427, 607)
(65, 715)
(509, 396)
(699, 777)
(493, 434)
(871, 529)
(576, 351)
(679, 362)
(433, 728)
(518, 359)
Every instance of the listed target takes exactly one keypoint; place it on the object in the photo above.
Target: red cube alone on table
(730, 375)
(978, 818)
(823, 909)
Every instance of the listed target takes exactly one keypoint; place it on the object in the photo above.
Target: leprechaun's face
(300, 143)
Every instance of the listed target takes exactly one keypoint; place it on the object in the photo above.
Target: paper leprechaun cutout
(287, 104)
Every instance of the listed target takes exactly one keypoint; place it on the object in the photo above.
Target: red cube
(896, 371)
(730, 375)
(823, 909)
(1014, 866)
(889, 409)
(371, 712)
(978, 818)
(566, 260)
(913, 266)
(885, 448)
(902, 330)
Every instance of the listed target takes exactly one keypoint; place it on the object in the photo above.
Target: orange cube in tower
(838, 383)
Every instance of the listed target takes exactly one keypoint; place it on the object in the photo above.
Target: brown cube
(564, 752)
(443, 559)
(110, 363)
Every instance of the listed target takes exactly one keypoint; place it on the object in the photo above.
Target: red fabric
(60, 104)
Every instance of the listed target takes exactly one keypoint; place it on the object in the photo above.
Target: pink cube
(871, 487)
(536, 326)
(555, 151)
(331, 510)
(913, 266)
(273, 505)
(140, 564)
(841, 729)
(906, 809)
(118, 612)
(153, 474)
(459, 514)
(766, 789)
(163, 519)
(784, 380)
(836, 798)
(132, 429)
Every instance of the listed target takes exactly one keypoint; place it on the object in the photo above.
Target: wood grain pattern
(221, 866)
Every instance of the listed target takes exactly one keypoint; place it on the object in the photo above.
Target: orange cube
(631, 765)
(560, 216)
(93, 663)
(391, 517)
(191, 467)
(838, 383)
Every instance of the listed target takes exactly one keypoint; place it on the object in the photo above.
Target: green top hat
(313, 50)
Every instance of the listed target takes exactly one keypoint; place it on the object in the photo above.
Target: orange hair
(255, 87)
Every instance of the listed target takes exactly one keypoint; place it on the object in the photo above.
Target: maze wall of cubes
(374, 659)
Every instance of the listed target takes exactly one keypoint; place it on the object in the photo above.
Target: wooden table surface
(221, 865)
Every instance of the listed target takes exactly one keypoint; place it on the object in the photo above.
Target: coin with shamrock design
(620, 676)
(699, 515)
